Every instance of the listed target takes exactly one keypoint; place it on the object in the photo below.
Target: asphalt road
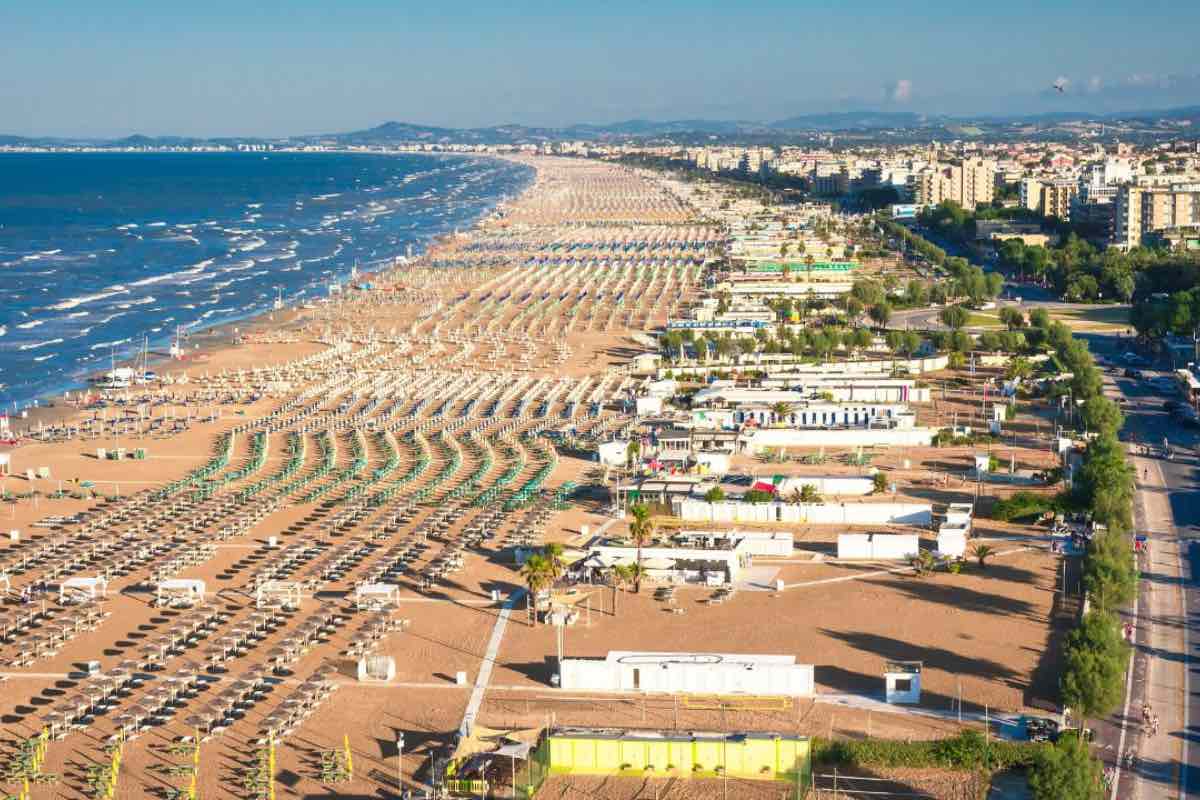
(1147, 422)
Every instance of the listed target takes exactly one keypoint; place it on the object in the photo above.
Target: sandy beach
(350, 483)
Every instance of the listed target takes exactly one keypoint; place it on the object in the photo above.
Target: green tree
(880, 314)
(1040, 318)
(537, 574)
(632, 452)
(1018, 369)
(854, 309)
(953, 317)
(1066, 771)
(641, 529)
(1092, 681)
(714, 495)
(780, 411)
(1109, 572)
(1012, 318)
(553, 553)
(879, 482)
(1102, 416)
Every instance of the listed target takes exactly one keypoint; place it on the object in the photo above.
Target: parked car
(1041, 729)
(1136, 374)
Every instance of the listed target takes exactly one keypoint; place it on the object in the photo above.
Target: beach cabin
(280, 595)
(691, 673)
(376, 596)
(179, 593)
(82, 590)
(376, 669)
(902, 682)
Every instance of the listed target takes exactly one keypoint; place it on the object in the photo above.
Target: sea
(102, 253)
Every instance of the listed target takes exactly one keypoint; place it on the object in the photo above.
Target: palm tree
(641, 529)
(1018, 368)
(781, 410)
(982, 553)
(808, 494)
(632, 451)
(553, 553)
(923, 563)
(536, 572)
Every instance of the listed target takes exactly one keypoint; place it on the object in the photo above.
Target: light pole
(399, 763)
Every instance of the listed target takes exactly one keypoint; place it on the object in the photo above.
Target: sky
(107, 68)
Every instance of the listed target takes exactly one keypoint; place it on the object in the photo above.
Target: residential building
(970, 183)
(1156, 209)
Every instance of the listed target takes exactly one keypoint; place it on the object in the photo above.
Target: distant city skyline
(225, 69)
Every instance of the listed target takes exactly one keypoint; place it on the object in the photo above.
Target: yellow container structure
(767, 756)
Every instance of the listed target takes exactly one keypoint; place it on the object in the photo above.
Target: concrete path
(489, 660)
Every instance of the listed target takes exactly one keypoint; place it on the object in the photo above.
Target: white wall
(952, 543)
(810, 513)
(612, 453)
(832, 486)
(649, 405)
(877, 546)
(790, 680)
(878, 366)
(855, 437)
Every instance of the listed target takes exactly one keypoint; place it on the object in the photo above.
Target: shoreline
(225, 331)
(223, 336)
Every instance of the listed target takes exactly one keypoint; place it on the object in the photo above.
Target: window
(899, 685)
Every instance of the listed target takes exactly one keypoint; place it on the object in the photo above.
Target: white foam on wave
(156, 224)
(127, 227)
(116, 343)
(27, 325)
(74, 302)
(36, 345)
(46, 357)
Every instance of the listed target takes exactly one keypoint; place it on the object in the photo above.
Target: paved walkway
(489, 660)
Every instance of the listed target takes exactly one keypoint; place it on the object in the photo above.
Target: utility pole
(399, 763)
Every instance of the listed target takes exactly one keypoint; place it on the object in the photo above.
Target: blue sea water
(99, 250)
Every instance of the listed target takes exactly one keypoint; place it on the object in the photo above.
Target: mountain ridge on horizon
(394, 132)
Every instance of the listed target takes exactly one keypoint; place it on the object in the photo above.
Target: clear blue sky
(255, 67)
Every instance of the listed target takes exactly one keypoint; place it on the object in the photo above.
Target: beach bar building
(685, 754)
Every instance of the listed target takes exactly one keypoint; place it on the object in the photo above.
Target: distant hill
(696, 131)
(851, 120)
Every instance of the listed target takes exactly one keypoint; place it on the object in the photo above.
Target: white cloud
(900, 91)
(1094, 84)
(1063, 81)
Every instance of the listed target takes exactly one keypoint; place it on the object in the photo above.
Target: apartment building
(1051, 198)
(1158, 210)
(970, 183)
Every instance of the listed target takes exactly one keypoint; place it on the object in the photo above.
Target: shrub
(968, 750)
(757, 496)
(1022, 505)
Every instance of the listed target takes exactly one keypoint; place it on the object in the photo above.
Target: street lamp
(399, 763)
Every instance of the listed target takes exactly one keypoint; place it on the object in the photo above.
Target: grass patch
(1094, 317)
(978, 319)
